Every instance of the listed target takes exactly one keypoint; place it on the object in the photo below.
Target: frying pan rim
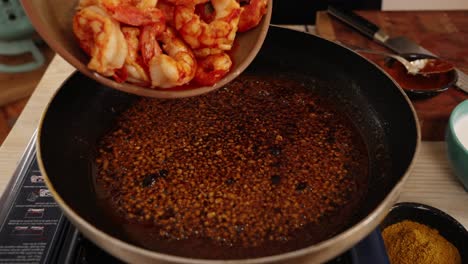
(354, 233)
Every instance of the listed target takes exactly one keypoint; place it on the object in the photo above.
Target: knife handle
(358, 22)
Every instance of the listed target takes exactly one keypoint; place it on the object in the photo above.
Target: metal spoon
(424, 66)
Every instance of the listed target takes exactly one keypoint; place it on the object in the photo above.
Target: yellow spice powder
(409, 242)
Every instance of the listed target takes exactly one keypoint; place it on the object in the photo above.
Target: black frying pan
(83, 110)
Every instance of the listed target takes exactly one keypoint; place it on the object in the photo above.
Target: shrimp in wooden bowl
(218, 34)
(212, 68)
(101, 38)
(168, 10)
(166, 43)
(176, 67)
(135, 13)
(252, 12)
(134, 69)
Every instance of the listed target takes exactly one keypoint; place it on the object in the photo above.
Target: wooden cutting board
(443, 33)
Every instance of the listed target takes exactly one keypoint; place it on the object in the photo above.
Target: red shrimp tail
(208, 78)
(205, 11)
(251, 15)
(121, 75)
(149, 45)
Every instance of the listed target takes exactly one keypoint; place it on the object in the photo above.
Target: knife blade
(398, 44)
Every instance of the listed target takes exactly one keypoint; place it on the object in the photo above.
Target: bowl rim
(419, 92)
(451, 123)
(426, 207)
(449, 221)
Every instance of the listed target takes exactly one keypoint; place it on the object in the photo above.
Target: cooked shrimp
(134, 64)
(134, 13)
(100, 37)
(176, 67)
(202, 53)
(187, 2)
(141, 4)
(218, 34)
(148, 42)
(205, 11)
(168, 11)
(85, 3)
(212, 68)
(251, 14)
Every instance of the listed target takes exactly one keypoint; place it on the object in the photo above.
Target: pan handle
(370, 250)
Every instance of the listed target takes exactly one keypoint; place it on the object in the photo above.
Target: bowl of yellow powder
(418, 233)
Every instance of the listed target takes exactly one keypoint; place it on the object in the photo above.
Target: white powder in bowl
(461, 130)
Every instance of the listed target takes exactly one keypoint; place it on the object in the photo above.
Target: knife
(398, 44)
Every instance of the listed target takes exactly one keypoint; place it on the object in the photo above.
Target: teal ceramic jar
(457, 153)
(16, 34)
(14, 24)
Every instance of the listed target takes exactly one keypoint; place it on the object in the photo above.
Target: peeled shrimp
(218, 34)
(202, 53)
(85, 3)
(141, 4)
(134, 65)
(251, 14)
(168, 10)
(176, 67)
(99, 36)
(130, 12)
(212, 68)
(187, 2)
(134, 13)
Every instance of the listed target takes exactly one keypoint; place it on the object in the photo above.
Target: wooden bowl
(53, 21)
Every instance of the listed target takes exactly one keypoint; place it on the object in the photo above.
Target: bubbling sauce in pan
(260, 167)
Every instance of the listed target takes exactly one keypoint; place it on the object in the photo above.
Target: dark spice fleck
(239, 228)
(255, 148)
(149, 180)
(108, 149)
(275, 150)
(331, 136)
(301, 186)
(276, 164)
(163, 173)
(168, 213)
(311, 108)
(230, 181)
(275, 179)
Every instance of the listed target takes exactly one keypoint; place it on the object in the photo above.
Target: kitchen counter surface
(431, 181)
